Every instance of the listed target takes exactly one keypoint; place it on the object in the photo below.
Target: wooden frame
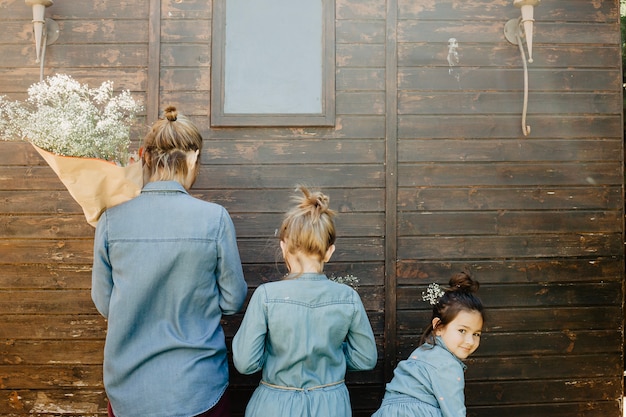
(222, 116)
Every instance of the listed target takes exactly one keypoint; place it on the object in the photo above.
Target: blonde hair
(166, 146)
(309, 227)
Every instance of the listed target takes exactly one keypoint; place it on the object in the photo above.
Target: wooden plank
(412, 102)
(571, 10)
(122, 9)
(532, 295)
(346, 127)
(482, 126)
(598, 408)
(185, 79)
(45, 276)
(512, 198)
(49, 352)
(495, 150)
(287, 151)
(359, 9)
(544, 367)
(426, 31)
(45, 376)
(19, 79)
(508, 56)
(360, 55)
(186, 55)
(107, 30)
(266, 225)
(54, 402)
(188, 9)
(360, 79)
(267, 176)
(45, 227)
(46, 251)
(360, 103)
(505, 223)
(80, 56)
(542, 391)
(361, 32)
(511, 247)
(484, 79)
(514, 271)
(185, 30)
(49, 202)
(51, 302)
(511, 175)
(21, 329)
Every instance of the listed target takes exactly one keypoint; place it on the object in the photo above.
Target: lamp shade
(39, 11)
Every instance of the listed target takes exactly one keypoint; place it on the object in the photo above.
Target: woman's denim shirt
(433, 375)
(166, 267)
(304, 332)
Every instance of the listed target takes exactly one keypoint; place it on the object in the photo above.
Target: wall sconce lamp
(46, 31)
(514, 31)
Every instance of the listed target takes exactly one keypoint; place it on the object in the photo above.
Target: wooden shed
(411, 122)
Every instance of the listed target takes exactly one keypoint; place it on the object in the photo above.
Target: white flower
(66, 118)
(433, 294)
(349, 279)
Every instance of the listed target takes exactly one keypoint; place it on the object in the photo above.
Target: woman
(166, 267)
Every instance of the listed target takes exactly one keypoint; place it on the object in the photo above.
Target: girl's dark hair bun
(171, 114)
(462, 281)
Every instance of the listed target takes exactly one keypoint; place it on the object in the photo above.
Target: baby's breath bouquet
(83, 134)
(68, 118)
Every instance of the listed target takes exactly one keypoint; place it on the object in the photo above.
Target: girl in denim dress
(430, 383)
(304, 332)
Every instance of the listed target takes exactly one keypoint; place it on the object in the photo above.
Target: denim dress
(430, 383)
(166, 268)
(303, 333)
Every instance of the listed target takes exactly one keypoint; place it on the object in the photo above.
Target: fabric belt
(332, 384)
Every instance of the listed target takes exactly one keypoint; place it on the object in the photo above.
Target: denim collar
(164, 186)
(307, 276)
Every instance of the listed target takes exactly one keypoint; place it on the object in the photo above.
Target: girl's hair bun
(316, 202)
(463, 282)
(171, 114)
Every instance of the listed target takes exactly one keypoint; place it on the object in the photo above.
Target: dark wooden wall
(426, 164)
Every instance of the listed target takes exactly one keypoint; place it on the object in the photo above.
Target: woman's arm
(101, 274)
(230, 280)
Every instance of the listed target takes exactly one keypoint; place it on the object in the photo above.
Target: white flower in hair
(433, 293)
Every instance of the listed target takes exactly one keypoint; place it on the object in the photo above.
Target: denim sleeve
(360, 346)
(101, 273)
(448, 383)
(249, 341)
(229, 273)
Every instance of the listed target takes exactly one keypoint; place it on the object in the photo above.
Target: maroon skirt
(221, 409)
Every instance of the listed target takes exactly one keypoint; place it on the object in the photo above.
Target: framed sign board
(273, 63)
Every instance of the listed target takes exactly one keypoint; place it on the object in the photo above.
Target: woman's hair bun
(171, 114)
(462, 281)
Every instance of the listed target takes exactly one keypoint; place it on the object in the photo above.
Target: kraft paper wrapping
(95, 184)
